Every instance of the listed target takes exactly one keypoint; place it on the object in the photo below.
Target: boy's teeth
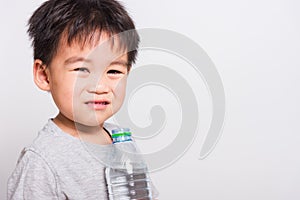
(100, 103)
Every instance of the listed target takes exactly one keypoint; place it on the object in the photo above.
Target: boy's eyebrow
(119, 62)
(76, 59)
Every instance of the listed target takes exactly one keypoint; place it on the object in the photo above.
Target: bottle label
(121, 135)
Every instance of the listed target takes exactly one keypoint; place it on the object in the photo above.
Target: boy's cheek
(119, 95)
(120, 87)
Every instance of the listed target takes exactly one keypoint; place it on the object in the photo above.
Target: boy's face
(88, 84)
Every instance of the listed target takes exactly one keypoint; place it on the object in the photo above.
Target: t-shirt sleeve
(32, 179)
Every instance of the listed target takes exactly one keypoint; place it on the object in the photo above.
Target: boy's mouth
(102, 101)
(98, 104)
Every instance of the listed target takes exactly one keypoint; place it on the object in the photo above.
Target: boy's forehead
(96, 45)
(92, 40)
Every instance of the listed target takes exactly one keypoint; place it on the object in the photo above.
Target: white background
(254, 45)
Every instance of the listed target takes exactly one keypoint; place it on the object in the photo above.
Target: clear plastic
(127, 174)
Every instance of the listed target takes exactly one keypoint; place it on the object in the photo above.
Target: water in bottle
(127, 174)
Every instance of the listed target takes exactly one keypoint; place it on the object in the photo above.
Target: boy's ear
(41, 75)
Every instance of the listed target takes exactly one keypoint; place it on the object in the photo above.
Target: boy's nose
(99, 87)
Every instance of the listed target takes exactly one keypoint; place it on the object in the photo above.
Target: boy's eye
(82, 69)
(112, 71)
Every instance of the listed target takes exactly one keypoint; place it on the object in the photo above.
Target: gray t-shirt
(59, 166)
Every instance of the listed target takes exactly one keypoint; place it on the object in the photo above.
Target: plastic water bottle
(127, 175)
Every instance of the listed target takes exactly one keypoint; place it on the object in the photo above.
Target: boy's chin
(90, 123)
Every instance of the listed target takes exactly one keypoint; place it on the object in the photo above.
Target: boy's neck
(95, 134)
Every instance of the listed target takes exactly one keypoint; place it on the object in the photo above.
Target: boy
(83, 63)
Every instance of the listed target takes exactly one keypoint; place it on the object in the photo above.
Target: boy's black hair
(79, 20)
